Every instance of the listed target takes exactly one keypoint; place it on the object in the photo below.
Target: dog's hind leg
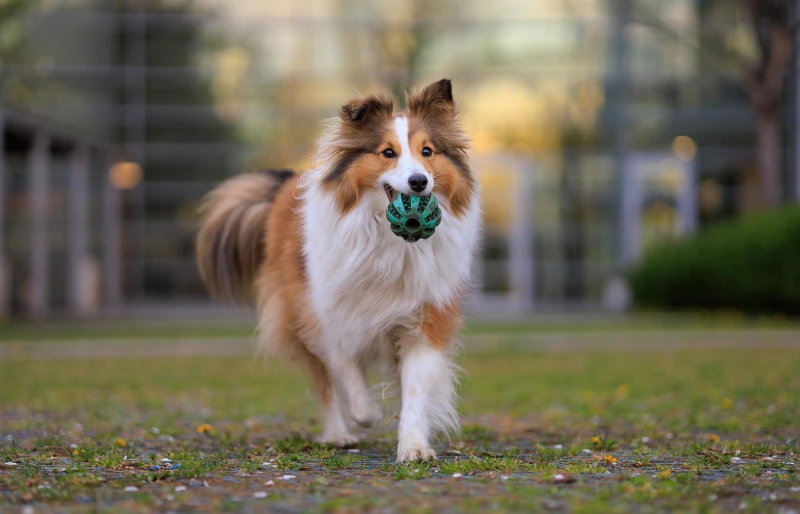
(350, 384)
(335, 428)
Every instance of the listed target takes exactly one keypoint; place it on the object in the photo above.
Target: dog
(334, 288)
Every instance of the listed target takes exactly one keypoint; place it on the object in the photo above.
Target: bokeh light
(125, 175)
(685, 148)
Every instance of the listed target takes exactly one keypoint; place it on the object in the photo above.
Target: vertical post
(618, 85)
(38, 192)
(522, 240)
(687, 206)
(630, 219)
(5, 276)
(796, 123)
(134, 23)
(111, 238)
(79, 293)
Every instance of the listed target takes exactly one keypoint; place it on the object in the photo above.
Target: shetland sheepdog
(335, 289)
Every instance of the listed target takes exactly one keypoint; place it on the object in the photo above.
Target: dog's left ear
(434, 98)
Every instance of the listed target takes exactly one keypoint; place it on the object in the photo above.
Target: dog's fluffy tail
(231, 238)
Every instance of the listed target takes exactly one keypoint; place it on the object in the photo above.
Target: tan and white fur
(335, 289)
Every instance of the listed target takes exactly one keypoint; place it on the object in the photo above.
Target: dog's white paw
(415, 453)
(339, 440)
(366, 412)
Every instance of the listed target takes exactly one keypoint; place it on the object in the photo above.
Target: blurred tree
(13, 44)
(374, 49)
(171, 125)
(760, 44)
(189, 129)
(177, 36)
(401, 36)
(764, 82)
(14, 49)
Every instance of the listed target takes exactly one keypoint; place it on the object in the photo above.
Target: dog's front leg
(427, 378)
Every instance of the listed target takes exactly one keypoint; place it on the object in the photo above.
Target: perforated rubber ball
(414, 217)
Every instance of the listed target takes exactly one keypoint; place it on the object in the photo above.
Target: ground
(602, 419)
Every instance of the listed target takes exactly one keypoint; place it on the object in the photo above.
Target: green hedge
(751, 265)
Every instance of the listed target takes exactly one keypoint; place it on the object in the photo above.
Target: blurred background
(631, 152)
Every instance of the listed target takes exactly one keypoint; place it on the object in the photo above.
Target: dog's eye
(388, 153)
(427, 152)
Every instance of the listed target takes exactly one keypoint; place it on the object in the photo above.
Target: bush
(751, 265)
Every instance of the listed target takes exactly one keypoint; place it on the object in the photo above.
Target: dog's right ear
(362, 110)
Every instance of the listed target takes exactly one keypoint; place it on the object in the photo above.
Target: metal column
(135, 30)
(687, 199)
(618, 84)
(522, 240)
(79, 294)
(630, 207)
(38, 192)
(111, 239)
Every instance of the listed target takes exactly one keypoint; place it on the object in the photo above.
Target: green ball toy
(414, 217)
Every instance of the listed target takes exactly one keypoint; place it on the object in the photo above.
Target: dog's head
(373, 154)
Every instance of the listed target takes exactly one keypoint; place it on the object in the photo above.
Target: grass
(592, 431)
(243, 328)
(103, 331)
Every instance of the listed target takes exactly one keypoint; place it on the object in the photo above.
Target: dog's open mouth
(390, 192)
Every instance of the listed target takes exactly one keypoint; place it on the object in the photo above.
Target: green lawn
(216, 328)
(594, 431)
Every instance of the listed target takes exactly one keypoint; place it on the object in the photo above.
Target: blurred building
(59, 219)
(611, 125)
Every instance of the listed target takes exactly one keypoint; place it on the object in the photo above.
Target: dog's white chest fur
(364, 280)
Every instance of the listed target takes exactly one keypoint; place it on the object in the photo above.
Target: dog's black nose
(418, 182)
